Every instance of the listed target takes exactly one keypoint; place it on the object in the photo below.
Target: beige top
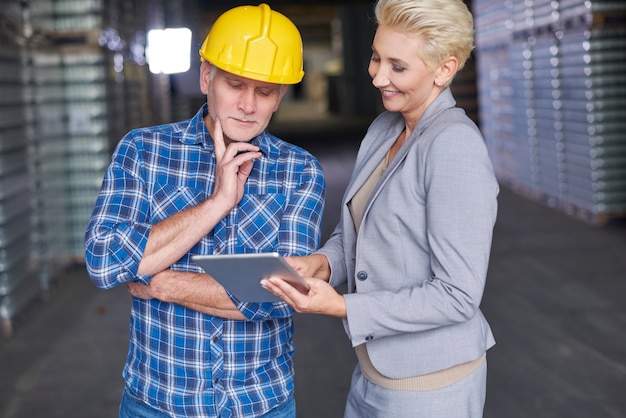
(430, 381)
(360, 198)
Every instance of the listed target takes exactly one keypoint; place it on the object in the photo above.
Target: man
(217, 183)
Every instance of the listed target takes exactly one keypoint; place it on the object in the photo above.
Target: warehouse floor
(554, 298)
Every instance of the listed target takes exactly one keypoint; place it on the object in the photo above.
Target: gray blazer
(416, 272)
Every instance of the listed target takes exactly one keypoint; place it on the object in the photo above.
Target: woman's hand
(314, 265)
(320, 299)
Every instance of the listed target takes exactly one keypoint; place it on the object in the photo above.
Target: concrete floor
(554, 298)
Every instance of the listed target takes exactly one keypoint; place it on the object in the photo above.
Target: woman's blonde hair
(445, 27)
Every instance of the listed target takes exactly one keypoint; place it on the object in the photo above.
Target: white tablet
(241, 274)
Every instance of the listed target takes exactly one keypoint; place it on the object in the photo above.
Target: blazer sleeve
(333, 249)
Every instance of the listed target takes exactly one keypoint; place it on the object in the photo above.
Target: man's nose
(247, 101)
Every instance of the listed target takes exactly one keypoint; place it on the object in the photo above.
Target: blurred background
(546, 85)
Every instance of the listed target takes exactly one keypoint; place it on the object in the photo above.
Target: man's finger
(218, 139)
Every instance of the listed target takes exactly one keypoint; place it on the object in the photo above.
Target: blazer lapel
(441, 103)
(372, 156)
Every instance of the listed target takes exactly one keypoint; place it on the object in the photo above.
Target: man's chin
(241, 135)
(236, 139)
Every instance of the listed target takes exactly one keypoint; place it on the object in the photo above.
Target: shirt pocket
(258, 221)
(168, 200)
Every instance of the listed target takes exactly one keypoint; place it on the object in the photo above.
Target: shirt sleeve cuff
(258, 312)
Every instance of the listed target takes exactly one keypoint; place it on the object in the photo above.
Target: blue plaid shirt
(180, 361)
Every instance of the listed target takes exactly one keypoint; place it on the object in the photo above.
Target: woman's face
(407, 85)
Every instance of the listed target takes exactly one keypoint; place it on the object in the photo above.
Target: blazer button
(361, 275)
(369, 338)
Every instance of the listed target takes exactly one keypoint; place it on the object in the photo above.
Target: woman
(414, 238)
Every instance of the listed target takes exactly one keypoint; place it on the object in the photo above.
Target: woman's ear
(205, 76)
(446, 71)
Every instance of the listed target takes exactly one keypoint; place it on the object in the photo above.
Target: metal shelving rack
(551, 95)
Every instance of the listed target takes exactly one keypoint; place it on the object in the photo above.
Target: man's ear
(446, 71)
(283, 90)
(205, 76)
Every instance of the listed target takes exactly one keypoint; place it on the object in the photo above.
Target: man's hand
(139, 290)
(233, 166)
(160, 287)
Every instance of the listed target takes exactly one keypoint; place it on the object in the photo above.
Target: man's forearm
(195, 291)
(171, 238)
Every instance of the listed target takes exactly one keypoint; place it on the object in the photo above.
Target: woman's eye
(397, 69)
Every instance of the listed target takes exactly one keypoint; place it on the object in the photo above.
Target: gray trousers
(464, 399)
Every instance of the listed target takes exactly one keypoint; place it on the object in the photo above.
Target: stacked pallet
(67, 99)
(18, 282)
(552, 87)
(84, 86)
(594, 123)
(69, 148)
(65, 77)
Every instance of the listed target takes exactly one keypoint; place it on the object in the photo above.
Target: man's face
(243, 106)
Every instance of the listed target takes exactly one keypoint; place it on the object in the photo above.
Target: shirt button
(369, 338)
(361, 275)
(215, 339)
(216, 381)
(218, 250)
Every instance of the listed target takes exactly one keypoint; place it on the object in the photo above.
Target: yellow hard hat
(255, 42)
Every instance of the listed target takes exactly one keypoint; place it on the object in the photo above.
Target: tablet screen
(241, 274)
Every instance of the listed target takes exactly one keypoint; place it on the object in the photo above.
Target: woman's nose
(379, 77)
